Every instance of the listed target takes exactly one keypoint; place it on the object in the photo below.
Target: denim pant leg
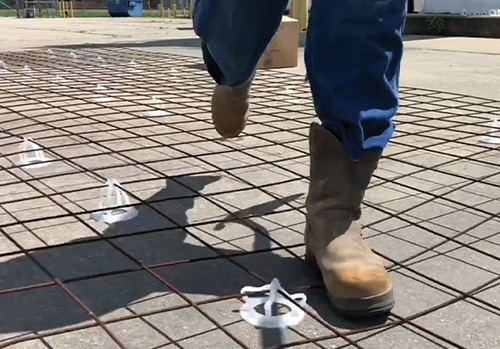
(234, 35)
(353, 56)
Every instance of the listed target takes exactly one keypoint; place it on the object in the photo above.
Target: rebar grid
(216, 215)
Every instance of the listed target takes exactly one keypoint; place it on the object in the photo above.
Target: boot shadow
(107, 296)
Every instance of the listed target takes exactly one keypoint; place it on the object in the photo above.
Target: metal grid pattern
(216, 215)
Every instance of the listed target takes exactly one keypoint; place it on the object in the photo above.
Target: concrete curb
(451, 25)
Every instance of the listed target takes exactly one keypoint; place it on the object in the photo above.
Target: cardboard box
(283, 50)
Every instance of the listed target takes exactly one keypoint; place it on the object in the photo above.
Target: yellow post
(175, 11)
(59, 5)
(168, 12)
(191, 11)
(72, 13)
(34, 12)
(160, 12)
(300, 11)
(63, 9)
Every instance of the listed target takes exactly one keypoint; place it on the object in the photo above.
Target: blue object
(353, 55)
(125, 8)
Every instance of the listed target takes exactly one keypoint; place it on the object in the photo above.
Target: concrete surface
(216, 215)
(25, 34)
(461, 65)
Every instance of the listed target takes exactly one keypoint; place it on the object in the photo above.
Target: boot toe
(229, 111)
(359, 291)
(359, 281)
(229, 125)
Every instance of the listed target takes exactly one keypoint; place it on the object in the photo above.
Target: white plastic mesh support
(494, 134)
(109, 204)
(102, 94)
(274, 295)
(159, 106)
(32, 155)
(133, 65)
(101, 61)
(289, 93)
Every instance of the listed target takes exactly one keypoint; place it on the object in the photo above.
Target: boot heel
(309, 257)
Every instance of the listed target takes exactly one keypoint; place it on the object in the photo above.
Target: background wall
(456, 6)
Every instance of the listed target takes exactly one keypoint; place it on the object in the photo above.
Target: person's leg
(234, 35)
(353, 54)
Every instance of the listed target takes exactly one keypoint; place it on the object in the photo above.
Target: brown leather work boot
(357, 282)
(230, 108)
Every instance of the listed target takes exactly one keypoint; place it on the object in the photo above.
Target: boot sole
(364, 307)
(377, 305)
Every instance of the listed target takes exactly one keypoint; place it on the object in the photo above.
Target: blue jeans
(353, 55)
